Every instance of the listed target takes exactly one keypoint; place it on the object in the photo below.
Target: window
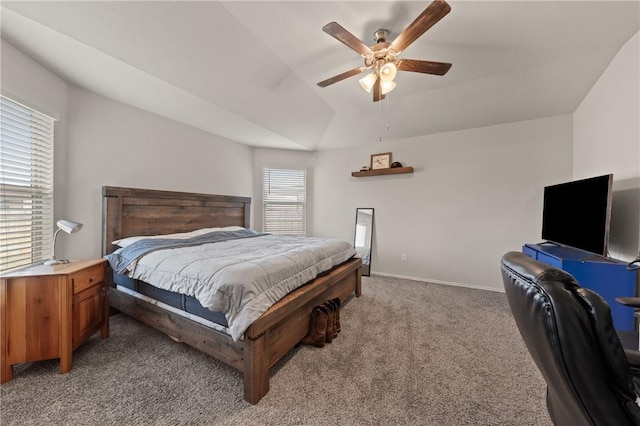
(26, 185)
(284, 201)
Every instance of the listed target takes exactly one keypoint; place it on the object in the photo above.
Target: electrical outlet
(404, 257)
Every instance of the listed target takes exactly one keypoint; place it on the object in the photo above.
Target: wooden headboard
(129, 211)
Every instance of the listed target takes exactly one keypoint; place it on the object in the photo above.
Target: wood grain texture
(425, 67)
(66, 322)
(6, 371)
(205, 339)
(89, 277)
(341, 34)
(342, 76)
(382, 172)
(276, 332)
(104, 330)
(437, 10)
(377, 90)
(40, 313)
(88, 314)
(129, 212)
(256, 369)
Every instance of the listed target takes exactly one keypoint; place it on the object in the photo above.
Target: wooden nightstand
(48, 311)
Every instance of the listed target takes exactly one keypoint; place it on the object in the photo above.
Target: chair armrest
(633, 302)
(634, 359)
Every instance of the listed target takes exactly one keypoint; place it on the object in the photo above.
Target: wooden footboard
(279, 329)
(267, 340)
(129, 211)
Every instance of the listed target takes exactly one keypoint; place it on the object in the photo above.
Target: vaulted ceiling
(247, 70)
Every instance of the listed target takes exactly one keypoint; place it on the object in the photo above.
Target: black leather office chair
(591, 379)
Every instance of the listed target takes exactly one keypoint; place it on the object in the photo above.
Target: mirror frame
(368, 243)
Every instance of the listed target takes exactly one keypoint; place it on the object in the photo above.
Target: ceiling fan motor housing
(380, 54)
(380, 35)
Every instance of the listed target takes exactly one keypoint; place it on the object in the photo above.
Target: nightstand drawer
(89, 277)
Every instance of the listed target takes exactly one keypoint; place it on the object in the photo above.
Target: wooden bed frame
(129, 211)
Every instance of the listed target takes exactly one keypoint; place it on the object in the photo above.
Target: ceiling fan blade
(340, 77)
(377, 91)
(427, 19)
(426, 67)
(338, 32)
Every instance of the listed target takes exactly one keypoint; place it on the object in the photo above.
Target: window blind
(26, 185)
(284, 201)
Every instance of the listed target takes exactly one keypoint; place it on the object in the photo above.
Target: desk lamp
(69, 227)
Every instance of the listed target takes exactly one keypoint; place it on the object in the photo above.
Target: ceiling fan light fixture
(387, 86)
(388, 72)
(367, 82)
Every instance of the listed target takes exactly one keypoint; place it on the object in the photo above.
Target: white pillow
(207, 230)
(124, 242)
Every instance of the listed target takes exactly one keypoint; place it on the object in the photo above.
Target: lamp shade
(68, 226)
(388, 72)
(368, 81)
(387, 86)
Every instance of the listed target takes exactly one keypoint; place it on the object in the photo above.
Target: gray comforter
(237, 275)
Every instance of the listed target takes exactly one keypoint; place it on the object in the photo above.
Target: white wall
(474, 195)
(105, 142)
(29, 83)
(111, 143)
(607, 140)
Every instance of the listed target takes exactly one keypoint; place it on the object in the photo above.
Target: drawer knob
(91, 279)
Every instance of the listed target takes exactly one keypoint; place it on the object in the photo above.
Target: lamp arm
(53, 248)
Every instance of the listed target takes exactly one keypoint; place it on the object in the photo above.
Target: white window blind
(284, 201)
(26, 185)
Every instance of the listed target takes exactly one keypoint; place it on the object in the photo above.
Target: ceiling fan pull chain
(380, 121)
(387, 111)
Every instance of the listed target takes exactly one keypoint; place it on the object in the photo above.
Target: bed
(134, 212)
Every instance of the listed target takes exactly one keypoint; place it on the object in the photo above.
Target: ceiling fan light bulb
(388, 71)
(367, 82)
(387, 86)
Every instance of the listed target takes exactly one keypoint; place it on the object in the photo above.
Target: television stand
(598, 258)
(549, 243)
(608, 277)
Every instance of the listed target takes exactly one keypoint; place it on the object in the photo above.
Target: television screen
(577, 213)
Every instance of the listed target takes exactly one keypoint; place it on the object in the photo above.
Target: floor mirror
(364, 237)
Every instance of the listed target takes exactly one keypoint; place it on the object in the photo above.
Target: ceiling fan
(382, 57)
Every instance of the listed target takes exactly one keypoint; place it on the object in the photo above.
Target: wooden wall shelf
(381, 172)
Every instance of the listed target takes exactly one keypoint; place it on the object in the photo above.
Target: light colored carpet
(409, 353)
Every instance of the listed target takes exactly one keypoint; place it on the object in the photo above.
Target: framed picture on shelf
(381, 161)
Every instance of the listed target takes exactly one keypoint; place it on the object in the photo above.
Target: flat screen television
(578, 213)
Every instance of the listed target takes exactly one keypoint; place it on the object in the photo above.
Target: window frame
(284, 194)
(26, 184)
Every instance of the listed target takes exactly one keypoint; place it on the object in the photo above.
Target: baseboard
(425, 280)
